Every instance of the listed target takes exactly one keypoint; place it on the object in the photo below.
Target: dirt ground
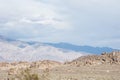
(98, 72)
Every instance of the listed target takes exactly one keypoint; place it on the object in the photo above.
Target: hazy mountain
(3, 38)
(13, 50)
(87, 49)
(1, 59)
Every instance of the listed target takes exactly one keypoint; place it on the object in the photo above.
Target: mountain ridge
(16, 50)
(22, 51)
(87, 49)
(66, 46)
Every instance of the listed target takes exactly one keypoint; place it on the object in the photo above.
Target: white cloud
(24, 11)
(76, 21)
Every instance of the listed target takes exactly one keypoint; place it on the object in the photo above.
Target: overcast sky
(81, 22)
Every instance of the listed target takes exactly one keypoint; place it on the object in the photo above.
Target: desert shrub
(45, 75)
(26, 75)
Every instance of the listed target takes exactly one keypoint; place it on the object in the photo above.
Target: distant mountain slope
(87, 49)
(13, 50)
(3, 38)
(1, 59)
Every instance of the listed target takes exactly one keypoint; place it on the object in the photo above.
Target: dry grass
(25, 75)
(102, 72)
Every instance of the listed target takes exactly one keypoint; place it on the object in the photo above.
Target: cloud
(27, 11)
(29, 19)
(83, 22)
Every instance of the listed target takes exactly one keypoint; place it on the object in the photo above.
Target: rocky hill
(45, 64)
(84, 61)
(15, 67)
(38, 64)
(104, 58)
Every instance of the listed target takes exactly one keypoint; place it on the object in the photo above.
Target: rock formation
(104, 58)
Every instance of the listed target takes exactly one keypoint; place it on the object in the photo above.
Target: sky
(80, 22)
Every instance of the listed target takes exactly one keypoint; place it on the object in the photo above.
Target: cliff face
(104, 58)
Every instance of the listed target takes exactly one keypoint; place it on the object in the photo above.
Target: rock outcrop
(104, 58)
(45, 64)
(15, 67)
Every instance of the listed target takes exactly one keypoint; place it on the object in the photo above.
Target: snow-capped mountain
(14, 50)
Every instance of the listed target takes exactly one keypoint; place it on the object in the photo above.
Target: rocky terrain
(104, 58)
(91, 67)
(14, 67)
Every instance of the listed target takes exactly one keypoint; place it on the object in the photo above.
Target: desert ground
(99, 72)
(94, 67)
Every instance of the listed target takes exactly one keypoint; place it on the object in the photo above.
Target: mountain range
(16, 50)
(87, 49)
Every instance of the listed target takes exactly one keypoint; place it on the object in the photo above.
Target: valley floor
(98, 72)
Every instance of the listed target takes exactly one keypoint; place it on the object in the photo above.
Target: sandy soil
(98, 72)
